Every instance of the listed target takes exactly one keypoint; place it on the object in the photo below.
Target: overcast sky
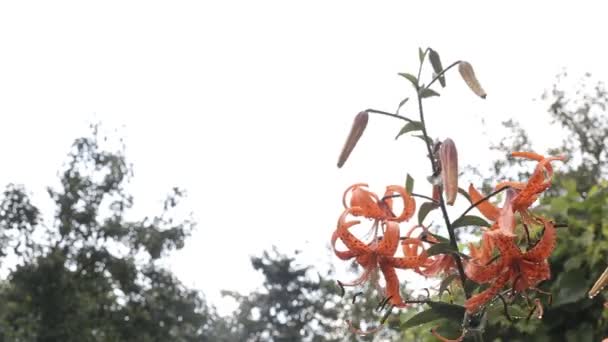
(246, 104)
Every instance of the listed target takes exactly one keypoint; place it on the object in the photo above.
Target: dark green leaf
(573, 286)
(428, 92)
(409, 184)
(436, 63)
(464, 193)
(428, 140)
(424, 210)
(452, 312)
(440, 248)
(440, 238)
(401, 104)
(470, 220)
(437, 311)
(446, 282)
(410, 78)
(421, 318)
(409, 127)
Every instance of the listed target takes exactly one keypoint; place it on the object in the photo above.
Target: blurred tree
(296, 305)
(290, 307)
(93, 275)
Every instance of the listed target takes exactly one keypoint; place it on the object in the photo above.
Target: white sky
(246, 104)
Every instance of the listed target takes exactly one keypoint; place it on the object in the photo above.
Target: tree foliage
(91, 274)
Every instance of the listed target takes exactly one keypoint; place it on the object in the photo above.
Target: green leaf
(440, 248)
(409, 184)
(440, 238)
(438, 310)
(464, 193)
(428, 140)
(449, 311)
(425, 209)
(401, 104)
(436, 63)
(410, 78)
(409, 127)
(420, 55)
(446, 282)
(428, 92)
(469, 220)
(573, 286)
(421, 318)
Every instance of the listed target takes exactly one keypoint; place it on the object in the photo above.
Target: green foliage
(93, 275)
(579, 199)
(290, 306)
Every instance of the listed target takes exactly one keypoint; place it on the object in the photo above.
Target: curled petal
(474, 303)
(506, 246)
(514, 185)
(543, 249)
(486, 208)
(538, 182)
(366, 201)
(390, 240)
(350, 241)
(407, 261)
(443, 339)
(506, 218)
(480, 273)
(356, 131)
(392, 284)
(409, 204)
(531, 274)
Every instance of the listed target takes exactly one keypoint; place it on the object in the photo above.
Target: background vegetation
(91, 274)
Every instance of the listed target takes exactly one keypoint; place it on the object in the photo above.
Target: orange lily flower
(540, 180)
(434, 265)
(523, 269)
(369, 205)
(378, 254)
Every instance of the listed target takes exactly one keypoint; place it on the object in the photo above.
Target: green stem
(397, 116)
(441, 73)
(444, 211)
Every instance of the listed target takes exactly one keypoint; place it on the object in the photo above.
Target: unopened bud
(468, 75)
(356, 131)
(448, 156)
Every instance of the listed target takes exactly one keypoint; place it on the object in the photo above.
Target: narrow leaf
(436, 63)
(425, 209)
(449, 311)
(470, 220)
(410, 78)
(440, 248)
(428, 92)
(401, 104)
(464, 193)
(423, 317)
(440, 238)
(409, 184)
(437, 311)
(446, 282)
(409, 127)
(428, 140)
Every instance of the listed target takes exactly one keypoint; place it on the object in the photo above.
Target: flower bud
(356, 131)
(448, 157)
(468, 75)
